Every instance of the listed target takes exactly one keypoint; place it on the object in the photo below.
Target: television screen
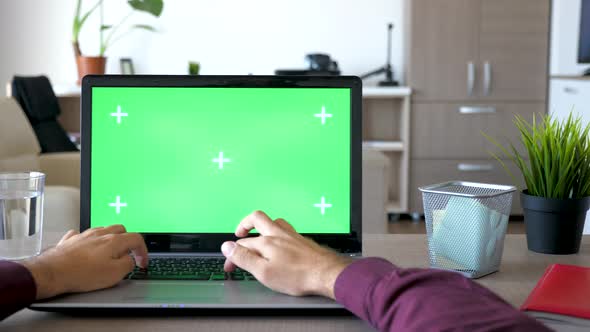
(584, 41)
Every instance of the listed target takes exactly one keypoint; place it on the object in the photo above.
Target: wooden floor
(412, 227)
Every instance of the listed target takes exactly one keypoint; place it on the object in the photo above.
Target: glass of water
(21, 214)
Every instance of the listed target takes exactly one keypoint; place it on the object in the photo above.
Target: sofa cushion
(61, 209)
(17, 137)
(22, 163)
(61, 168)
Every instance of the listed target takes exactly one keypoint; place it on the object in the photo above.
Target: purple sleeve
(395, 299)
(17, 288)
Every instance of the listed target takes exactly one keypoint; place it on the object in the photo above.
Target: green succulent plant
(557, 159)
(194, 68)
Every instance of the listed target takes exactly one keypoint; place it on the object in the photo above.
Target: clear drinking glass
(21, 214)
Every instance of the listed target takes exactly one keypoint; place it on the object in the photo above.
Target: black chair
(35, 96)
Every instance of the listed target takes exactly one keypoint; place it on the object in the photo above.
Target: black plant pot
(554, 226)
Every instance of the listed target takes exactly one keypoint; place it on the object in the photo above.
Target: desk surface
(518, 274)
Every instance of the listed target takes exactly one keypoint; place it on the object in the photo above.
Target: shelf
(394, 207)
(386, 133)
(383, 145)
(67, 90)
(73, 90)
(60, 90)
(386, 92)
(570, 77)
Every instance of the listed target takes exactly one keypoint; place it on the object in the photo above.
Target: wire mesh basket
(466, 225)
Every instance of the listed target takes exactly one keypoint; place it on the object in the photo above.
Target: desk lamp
(387, 69)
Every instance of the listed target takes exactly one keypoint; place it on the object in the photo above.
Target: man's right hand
(282, 259)
(97, 258)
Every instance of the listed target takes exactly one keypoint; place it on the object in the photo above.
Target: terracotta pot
(90, 65)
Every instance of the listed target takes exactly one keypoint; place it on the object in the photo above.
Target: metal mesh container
(466, 225)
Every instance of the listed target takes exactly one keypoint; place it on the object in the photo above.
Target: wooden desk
(518, 274)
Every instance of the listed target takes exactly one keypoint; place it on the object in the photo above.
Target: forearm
(17, 288)
(391, 298)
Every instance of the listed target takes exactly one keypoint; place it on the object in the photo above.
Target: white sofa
(20, 151)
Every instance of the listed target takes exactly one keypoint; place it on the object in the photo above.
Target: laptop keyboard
(188, 268)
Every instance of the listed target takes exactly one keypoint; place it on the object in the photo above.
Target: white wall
(565, 94)
(565, 25)
(226, 36)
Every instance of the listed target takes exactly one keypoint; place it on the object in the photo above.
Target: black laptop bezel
(211, 242)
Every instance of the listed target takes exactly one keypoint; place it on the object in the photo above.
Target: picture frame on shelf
(127, 66)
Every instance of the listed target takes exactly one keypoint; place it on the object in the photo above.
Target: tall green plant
(558, 164)
(79, 20)
(153, 7)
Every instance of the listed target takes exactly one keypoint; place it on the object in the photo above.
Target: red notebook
(562, 294)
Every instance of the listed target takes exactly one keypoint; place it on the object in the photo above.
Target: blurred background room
(443, 72)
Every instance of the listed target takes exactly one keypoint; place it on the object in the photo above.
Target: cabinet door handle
(475, 167)
(487, 78)
(571, 90)
(477, 110)
(470, 77)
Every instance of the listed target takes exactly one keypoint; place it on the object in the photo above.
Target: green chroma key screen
(198, 160)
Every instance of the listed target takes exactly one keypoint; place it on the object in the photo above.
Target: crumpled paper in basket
(466, 235)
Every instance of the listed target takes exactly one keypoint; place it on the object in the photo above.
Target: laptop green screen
(198, 160)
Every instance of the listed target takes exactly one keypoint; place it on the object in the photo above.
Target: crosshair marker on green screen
(198, 160)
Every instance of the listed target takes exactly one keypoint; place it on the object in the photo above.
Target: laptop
(183, 159)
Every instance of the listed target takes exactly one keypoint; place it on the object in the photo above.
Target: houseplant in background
(194, 68)
(85, 64)
(556, 170)
(96, 64)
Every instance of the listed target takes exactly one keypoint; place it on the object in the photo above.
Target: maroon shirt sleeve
(395, 299)
(17, 288)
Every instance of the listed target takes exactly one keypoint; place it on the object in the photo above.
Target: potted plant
(194, 68)
(556, 170)
(96, 64)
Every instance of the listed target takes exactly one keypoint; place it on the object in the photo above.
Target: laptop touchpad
(210, 291)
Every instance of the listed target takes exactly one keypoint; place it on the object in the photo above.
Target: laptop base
(178, 295)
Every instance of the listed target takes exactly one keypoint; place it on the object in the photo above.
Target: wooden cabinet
(473, 65)
(454, 131)
(376, 168)
(513, 48)
(443, 46)
(386, 132)
(568, 94)
(426, 172)
(479, 49)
